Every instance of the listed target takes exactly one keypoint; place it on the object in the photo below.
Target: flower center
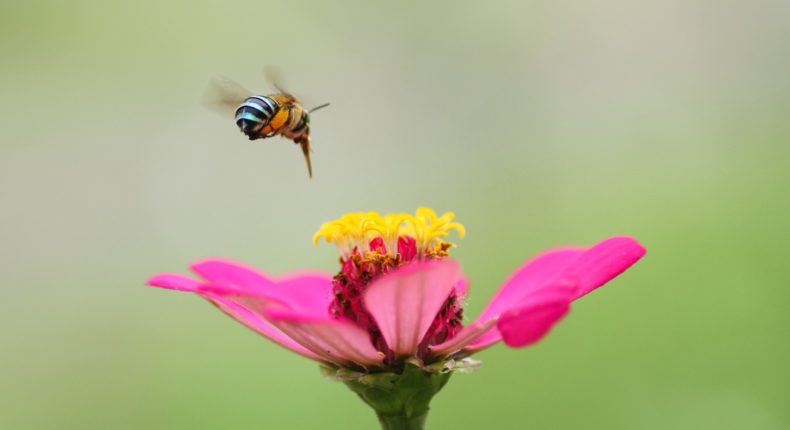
(372, 245)
(357, 230)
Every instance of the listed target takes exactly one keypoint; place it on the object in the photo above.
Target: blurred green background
(539, 123)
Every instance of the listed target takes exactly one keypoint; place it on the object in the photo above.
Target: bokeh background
(538, 122)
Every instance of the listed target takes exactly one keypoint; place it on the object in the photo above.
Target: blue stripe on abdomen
(249, 116)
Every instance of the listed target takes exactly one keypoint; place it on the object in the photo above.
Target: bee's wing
(275, 77)
(223, 95)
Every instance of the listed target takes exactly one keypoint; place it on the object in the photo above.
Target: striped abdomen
(254, 114)
(297, 125)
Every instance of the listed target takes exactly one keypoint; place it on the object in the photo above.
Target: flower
(396, 303)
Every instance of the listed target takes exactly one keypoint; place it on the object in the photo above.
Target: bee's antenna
(318, 107)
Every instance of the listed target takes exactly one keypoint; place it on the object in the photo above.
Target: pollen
(357, 230)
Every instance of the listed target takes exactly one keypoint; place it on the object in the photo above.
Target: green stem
(402, 422)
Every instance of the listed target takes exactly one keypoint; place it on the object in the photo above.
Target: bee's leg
(304, 142)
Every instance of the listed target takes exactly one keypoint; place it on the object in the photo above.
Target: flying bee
(259, 117)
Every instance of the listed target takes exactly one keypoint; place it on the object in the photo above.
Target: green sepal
(401, 400)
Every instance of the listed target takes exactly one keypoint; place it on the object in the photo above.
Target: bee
(259, 116)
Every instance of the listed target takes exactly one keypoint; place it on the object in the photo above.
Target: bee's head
(249, 126)
(254, 114)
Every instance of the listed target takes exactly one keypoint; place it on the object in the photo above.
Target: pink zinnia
(389, 323)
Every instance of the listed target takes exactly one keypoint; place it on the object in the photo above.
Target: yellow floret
(357, 229)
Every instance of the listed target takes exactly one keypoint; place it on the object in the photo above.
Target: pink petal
(584, 270)
(173, 281)
(464, 337)
(462, 288)
(405, 302)
(309, 292)
(337, 341)
(257, 323)
(531, 320)
(251, 301)
(603, 262)
(530, 276)
(233, 309)
(554, 295)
